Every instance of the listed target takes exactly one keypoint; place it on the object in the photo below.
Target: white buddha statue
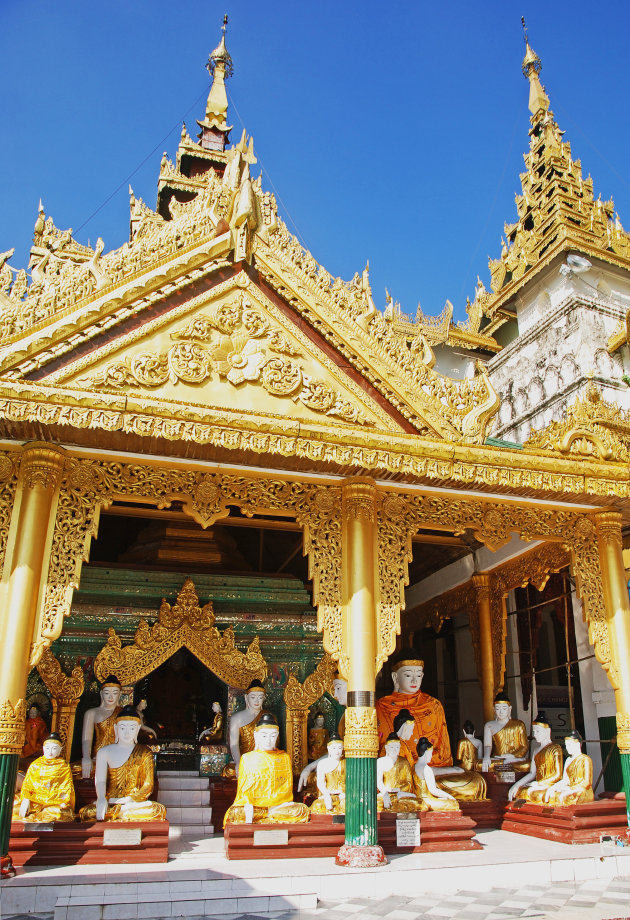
(340, 693)
(505, 741)
(394, 780)
(331, 780)
(576, 785)
(98, 725)
(47, 793)
(545, 769)
(243, 723)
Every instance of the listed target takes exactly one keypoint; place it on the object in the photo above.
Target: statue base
(360, 857)
(586, 823)
(70, 843)
(6, 867)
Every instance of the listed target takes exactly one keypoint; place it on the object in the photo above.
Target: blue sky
(391, 132)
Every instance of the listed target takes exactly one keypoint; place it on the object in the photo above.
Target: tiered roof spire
(214, 127)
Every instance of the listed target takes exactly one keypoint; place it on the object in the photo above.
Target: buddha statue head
(34, 711)
(502, 707)
(404, 724)
(425, 751)
(266, 733)
(318, 722)
(573, 743)
(52, 746)
(392, 746)
(127, 727)
(335, 747)
(340, 689)
(216, 707)
(469, 729)
(541, 730)
(407, 672)
(110, 692)
(255, 696)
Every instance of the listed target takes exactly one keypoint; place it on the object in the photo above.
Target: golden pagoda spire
(214, 127)
(538, 99)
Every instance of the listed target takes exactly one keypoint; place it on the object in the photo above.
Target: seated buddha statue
(98, 725)
(307, 779)
(35, 733)
(576, 785)
(147, 735)
(318, 738)
(215, 731)
(124, 777)
(331, 780)
(425, 785)
(394, 781)
(47, 793)
(505, 740)
(469, 748)
(242, 725)
(546, 765)
(427, 712)
(264, 793)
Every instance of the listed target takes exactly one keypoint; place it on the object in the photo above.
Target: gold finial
(220, 55)
(538, 99)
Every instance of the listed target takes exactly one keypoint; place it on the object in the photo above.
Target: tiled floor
(598, 899)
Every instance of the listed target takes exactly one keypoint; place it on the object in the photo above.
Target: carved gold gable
(228, 349)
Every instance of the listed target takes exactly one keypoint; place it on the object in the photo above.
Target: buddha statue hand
(24, 807)
(306, 772)
(508, 758)
(328, 802)
(101, 809)
(387, 802)
(86, 768)
(486, 763)
(249, 813)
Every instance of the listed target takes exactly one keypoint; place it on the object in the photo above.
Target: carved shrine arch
(298, 699)
(183, 625)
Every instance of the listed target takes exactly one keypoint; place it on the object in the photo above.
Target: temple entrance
(179, 696)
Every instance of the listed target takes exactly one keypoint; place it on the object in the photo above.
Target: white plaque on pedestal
(279, 838)
(38, 826)
(508, 776)
(407, 831)
(122, 836)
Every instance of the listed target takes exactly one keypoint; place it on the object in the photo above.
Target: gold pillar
(486, 659)
(29, 537)
(297, 738)
(615, 586)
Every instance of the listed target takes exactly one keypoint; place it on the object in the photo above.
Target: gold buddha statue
(215, 731)
(47, 793)
(426, 788)
(331, 780)
(426, 711)
(546, 766)
(124, 777)
(243, 724)
(99, 726)
(318, 738)
(576, 785)
(265, 782)
(395, 781)
(505, 742)
(469, 748)
(35, 733)
(308, 777)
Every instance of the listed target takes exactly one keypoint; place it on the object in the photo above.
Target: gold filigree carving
(609, 527)
(298, 698)
(12, 719)
(183, 625)
(361, 733)
(66, 692)
(623, 732)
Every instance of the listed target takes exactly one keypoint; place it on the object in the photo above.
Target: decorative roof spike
(221, 55)
(214, 127)
(538, 99)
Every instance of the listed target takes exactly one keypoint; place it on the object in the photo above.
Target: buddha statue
(243, 723)
(98, 725)
(265, 782)
(35, 733)
(505, 742)
(546, 765)
(425, 785)
(215, 732)
(331, 780)
(394, 781)
(469, 748)
(124, 777)
(146, 733)
(308, 774)
(427, 712)
(318, 738)
(576, 785)
(47, 793)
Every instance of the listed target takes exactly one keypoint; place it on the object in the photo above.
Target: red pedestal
(572, 824)
(69, 844)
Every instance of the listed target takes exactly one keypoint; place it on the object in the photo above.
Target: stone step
(185, 798)
(200, 900)
(198, 815)
(189, 773)
(166, 781)
(197, 831)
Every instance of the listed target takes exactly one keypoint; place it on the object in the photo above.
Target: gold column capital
(42, 465)
(361, 732)
(358, 496)
(12, 721)
(609, 526)
(623, 732)
(482, 582)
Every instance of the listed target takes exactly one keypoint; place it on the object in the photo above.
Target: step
(198, 831)
(168, 781)
(189, 773)
(184, 798)
(178, 815)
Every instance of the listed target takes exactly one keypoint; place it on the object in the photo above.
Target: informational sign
(507, 776)
(275, 838)
(122, 836)
(338, 819)
(38, 826)
(407, 831)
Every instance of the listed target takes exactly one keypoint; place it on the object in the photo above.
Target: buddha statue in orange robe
(427, 712)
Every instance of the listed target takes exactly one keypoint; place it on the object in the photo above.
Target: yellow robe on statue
(133, 779)
(469, 786)
(48, 787)
(432, 802)
(548, 771)
(104, 732)
(428, 714)
(335, 783)
(317, 743)
(400, 778)
(265, 780)
(579, 773)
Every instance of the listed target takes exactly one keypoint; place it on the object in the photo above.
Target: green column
(8, 774)
(625, 769)
(361, 801)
